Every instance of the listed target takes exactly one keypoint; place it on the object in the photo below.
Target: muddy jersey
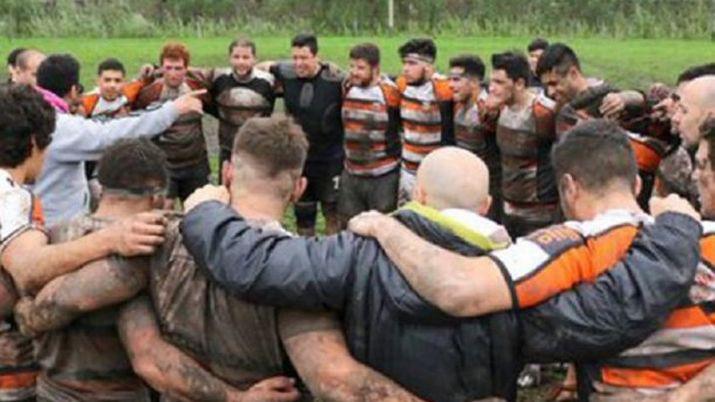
(371, 121)
(86, 361)
(427, 113)
(681, 349)
(650, 144)
(236, 99)
(20, 211)
(316, 104)
(183, 142)
(524, 138)
(235, 340)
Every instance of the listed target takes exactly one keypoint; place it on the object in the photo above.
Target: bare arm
(460, 286)
(316, 346)
(99, 284)
(32, 263)
(173, 373)
(700, 388)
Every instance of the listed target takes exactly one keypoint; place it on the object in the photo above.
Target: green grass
(628, 63)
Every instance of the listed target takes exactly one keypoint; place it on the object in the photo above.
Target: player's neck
(522, 98)
(580, 84)
(258, 206)
(598, 204)
(114, 208)
(18, 174)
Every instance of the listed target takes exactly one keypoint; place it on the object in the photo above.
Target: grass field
(627, 63)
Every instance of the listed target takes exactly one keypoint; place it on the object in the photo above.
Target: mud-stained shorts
(365, 193)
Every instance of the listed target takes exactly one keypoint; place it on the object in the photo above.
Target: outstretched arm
(623, 306)
(269, 267)
(99, 284)
(528, 273)
(173, 373)
(32, 263)
(460, 286)
(316, 346)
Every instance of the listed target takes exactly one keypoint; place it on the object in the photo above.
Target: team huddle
(475, 225)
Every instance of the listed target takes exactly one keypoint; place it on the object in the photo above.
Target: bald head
(697, 102)
(702, 91)
(451, 177)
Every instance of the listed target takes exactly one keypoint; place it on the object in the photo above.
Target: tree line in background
(683, 19)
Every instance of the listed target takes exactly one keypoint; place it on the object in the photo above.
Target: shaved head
(452, 177)
(697, 102)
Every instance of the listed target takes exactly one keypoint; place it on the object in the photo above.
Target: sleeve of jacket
(79, 139)
(267, 267)
(622, 307)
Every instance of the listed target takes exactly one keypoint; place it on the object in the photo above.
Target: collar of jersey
(468, 233)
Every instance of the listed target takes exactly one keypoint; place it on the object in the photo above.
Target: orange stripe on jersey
(392, 95)
(646, 157)
(687, 317)
(131, 90)
(358, 146)
(583, 263)
(89, 102)
(18, 380)
(707, 249)
(644, 378)
(409, 104)
(37, 215)
(420, 149)
(442, 90)
(366, 106)
(421, 128)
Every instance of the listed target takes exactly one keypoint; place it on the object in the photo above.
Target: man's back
(86, 360)
(236, 340)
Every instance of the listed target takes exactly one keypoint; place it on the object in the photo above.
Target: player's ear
(298, 189)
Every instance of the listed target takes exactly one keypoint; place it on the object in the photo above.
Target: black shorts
(184, 181)
(323, 187)
(323, 182)
(364, 193)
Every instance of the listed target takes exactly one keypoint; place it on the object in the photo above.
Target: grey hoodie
(62, 185)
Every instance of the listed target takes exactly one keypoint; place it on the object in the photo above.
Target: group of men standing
(440, 305)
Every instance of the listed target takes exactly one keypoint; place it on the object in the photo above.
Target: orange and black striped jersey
(557, 258)
(683, 347)
(91, 103)
(371, 120)
(427, 113)
(524, 137)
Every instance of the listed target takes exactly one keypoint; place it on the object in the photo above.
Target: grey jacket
(62, 185)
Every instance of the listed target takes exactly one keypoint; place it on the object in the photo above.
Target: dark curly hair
(135, 166)
(25, 118)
